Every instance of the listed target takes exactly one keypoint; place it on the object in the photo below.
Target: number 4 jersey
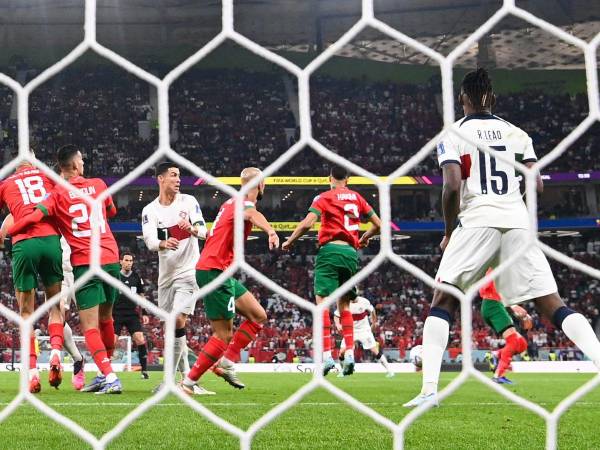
(21, 192)
(490, 191)
(341, 210)
(72, 214)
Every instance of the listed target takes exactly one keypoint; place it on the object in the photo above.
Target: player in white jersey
(486, 223)
(78, 378)
(172, 225)
(365, 318)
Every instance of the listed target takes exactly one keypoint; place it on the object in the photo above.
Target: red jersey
(217, 253)
(72, 215)
(341, 211)
(489, 292)
(21, 192)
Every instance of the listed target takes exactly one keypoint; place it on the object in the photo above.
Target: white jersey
(490, 194)
(160, 223)
(66, 256)
(360, 309)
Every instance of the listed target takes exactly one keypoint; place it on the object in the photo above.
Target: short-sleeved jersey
(341, 211)
(21, 192)
(218, 250)
(159, 223)
(490, 192)
(72, 215)
(361, 310)
(124, 306)
(489, 292)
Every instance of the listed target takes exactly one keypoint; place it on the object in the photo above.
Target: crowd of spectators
(225, 119)
(401, 301)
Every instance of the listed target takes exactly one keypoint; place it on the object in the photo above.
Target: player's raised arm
(259, 220)
(302, 228)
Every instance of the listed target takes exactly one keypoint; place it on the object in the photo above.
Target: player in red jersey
(495, 315)
(95, 298)
(36, 251)
(341, 211)
(232, 296)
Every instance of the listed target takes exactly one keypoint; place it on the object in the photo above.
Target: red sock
(95, 346)
(209, 355)
(326, 331)
(107, 331)
(347, 323)
(245, 334)
(56, 331)
(515, 344)
(32, 353)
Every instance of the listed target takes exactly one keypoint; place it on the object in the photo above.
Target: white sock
(178, 351)
(184, 363)
(55, 352)
(188, 381)
(70, 345)
(578, 329)
(33, 373)
(349, 353)
(384, 362)
(326, 355)
(111, 377)
(435, 340)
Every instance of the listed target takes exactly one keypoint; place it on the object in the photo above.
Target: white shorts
(176, 294)
(471, 251)
(366, 339)
(67, 282)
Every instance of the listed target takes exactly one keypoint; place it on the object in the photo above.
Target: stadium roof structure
(305, 26)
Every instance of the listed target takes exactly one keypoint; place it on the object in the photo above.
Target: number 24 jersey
(72, 214)
(490, 191)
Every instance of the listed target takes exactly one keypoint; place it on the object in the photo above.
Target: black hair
(477, 85)
(163, 167)
(338, 172)
(126, 253)
(65, 155)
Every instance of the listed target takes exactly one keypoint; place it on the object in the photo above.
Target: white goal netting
(306, 140)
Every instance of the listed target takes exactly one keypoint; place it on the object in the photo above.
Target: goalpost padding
(306, 139)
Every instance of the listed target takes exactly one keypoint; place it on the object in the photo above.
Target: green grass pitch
(472, 418)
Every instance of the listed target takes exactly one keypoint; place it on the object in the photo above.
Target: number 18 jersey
(21, 192)
(72, 214)
(341, 210)
(490, 192)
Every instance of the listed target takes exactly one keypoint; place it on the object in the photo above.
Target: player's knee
(379, 354)
(521, 344)
(441, 313)
(224, 335)
(260, 316)
(560, 315)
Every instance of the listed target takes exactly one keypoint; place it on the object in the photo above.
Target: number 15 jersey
(490, 191)
(72, 214)
(341, 210)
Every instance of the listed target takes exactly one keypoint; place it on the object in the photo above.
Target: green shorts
(220, 303)
(36, 256)
(96, 291)
(495, 315)
(335, 264)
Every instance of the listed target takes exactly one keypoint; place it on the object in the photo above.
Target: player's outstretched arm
(373, 231)
(302, 228)
(450, 198)
(259, 220)
(26, 222)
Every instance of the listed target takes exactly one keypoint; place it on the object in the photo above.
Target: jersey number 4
(499, 181)
(32, 190)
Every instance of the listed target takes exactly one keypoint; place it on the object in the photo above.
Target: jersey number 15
(499, 182)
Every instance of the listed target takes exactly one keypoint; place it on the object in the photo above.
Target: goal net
(306, 139)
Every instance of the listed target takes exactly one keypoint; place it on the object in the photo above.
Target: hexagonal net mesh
(303, 75)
